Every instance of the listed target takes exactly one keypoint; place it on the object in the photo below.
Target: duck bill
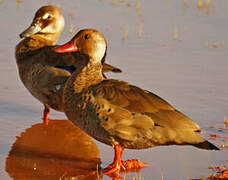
(33, 29)
(68, 47)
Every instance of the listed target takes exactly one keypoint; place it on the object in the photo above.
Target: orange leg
(46, 114)
(117, 165)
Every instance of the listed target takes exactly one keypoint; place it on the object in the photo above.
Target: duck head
(47, 23)
(87, 41)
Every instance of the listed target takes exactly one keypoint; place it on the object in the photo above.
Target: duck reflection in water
(57, 151)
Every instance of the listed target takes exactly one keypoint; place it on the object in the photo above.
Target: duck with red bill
(120, 114)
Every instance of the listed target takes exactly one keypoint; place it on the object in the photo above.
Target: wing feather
(137, 109)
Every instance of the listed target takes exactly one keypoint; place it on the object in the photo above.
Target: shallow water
(189, 72)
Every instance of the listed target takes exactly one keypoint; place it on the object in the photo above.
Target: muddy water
(170, 47)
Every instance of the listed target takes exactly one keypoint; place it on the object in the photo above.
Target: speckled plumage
(115, 112)
(120, 114)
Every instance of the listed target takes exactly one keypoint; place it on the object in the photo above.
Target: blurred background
(176, 49)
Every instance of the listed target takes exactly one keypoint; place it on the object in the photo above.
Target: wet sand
(181, 56)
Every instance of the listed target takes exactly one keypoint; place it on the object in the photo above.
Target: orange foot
(117, 165)
(114, 167)
(123, 166)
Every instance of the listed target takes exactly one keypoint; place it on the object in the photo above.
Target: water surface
(171, 48)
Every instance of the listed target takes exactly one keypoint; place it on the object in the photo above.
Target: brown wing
(133, 109)
(131, 97)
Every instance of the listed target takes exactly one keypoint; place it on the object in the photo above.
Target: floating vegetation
(128, 4)
(114, 2)
(220, 136)
(175, 38)
(125, 34)
(215, 44)
(140, 30)
(226, 120)
(19, 3)
(220, 173)
(208, 7)
(214, 136)
(135, 5)
(207, 4)
(138, 7)
(200, 4)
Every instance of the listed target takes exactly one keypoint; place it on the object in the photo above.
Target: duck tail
(206, 145)
(195, 139)
(110, 68)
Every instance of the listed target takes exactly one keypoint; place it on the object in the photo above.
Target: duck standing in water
(42, 71)
(118, 113)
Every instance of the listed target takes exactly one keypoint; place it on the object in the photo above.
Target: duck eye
(86, 36)
(47, 16)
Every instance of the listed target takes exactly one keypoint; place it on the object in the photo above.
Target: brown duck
(42, 71)
(118, 113)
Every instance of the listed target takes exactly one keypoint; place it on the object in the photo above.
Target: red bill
(68, 47)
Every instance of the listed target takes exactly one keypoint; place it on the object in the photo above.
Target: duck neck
(88, 75)
(41, 40)
(29, 46)
(51, 38)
